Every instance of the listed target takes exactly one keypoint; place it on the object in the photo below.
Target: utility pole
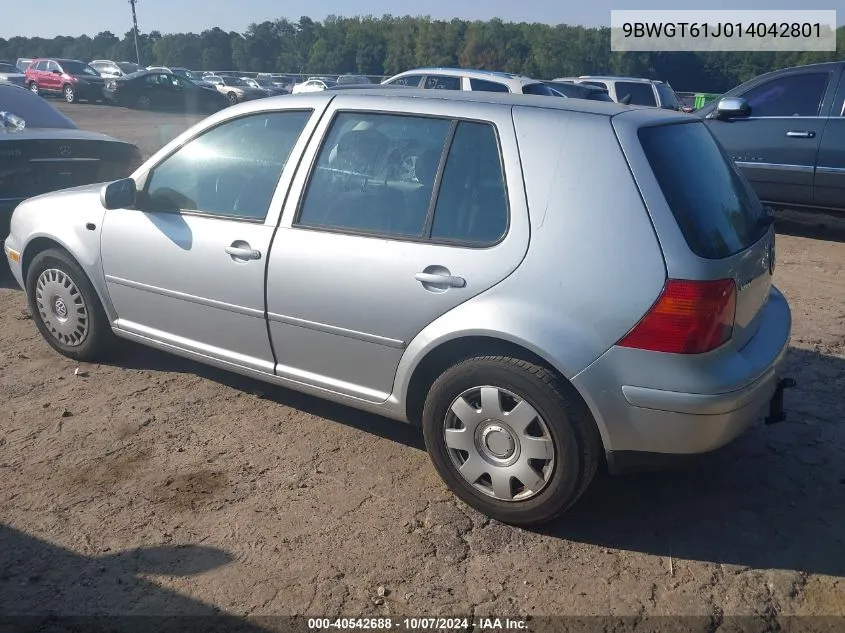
(135, 31)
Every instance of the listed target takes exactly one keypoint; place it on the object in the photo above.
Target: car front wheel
(66, 308)
(510, 438)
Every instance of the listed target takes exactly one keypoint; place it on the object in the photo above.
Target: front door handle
(800, 134)
(441, 280)
(241, 252)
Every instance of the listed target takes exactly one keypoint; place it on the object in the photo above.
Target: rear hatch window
(714, 206)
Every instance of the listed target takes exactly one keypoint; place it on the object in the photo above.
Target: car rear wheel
(510, 438)
(69, 94)
(33, 87)
(232, 97)
(66, 308)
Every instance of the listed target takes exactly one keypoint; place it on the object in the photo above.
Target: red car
(70, 78)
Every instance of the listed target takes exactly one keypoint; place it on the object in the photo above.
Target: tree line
(390, 44)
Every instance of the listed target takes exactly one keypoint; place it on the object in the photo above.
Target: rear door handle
(441, 280)
(243, 253)
(800, 134)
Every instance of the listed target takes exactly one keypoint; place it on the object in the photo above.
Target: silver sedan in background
(442, 259)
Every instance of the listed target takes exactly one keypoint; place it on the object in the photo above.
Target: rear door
(829, 190)
(393, 220)
(776, 147)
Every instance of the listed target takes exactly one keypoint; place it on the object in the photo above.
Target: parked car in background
(187, 74)
(152, 89)
(469, 79)
(632, 90)
(11, 74)
(579, 91)
(270, 89)
(23, 63)
(281, 211)
(70, 78)
(52, 153)
(277, 79)
(786, 131)
(108, 68)
(314, 84)
(235, 89)
(353, 79)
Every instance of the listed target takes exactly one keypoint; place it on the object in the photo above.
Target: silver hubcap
(61, 307)
(69, 94)
(499, 443)
(33, 88)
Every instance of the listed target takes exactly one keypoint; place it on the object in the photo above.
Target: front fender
(71, 219)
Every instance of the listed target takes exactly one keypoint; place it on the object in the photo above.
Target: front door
(830, 170)
(398, 220)
(186, 267)
(777, 145)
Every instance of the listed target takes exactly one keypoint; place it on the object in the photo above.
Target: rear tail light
(689, 317)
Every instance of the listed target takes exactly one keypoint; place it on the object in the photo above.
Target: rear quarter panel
(593, 266)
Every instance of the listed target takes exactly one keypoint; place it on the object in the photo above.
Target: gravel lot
(156, 485)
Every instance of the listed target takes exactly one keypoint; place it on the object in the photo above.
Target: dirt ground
(156, 485)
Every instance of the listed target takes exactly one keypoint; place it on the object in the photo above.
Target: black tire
(69, 94)
(573, 432)
(32, 87)
(232, 97)
(98, 342)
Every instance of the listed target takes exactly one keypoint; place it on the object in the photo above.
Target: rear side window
(641, 93)
(407, 80)
(472, 202)
(437, 82)
(487, 86)
(714, 206)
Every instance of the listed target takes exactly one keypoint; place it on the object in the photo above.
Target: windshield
(78, 68)
(128, 67)
(184, 72)
(8, 68)
(668, 98)
(713, 204)
(34, 110)
(538, 89)
(234, 81)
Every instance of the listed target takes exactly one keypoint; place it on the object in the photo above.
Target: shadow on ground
(817, 226)
(44, 587)
(773, 499)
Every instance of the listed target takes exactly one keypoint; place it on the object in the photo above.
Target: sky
(58, 17)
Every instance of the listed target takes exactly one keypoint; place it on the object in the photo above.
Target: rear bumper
(686, 405)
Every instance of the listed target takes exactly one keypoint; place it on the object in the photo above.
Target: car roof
(470, 72)
(601, 108)
(621, 78)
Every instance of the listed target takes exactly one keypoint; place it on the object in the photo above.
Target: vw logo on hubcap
(61, 309)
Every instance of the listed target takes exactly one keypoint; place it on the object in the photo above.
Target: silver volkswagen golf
(540, 284)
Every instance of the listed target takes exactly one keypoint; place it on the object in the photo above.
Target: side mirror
(732, 108)
(119, 194)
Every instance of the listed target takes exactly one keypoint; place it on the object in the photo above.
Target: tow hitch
(776, 412)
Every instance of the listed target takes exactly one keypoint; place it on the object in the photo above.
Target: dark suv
(786, 131)
(71, 78)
